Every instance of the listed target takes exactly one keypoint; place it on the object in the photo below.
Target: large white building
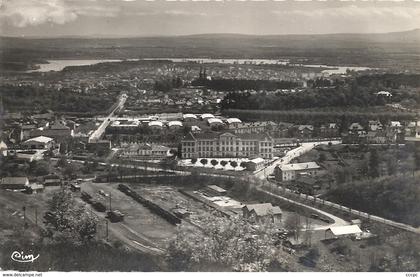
(227, 145)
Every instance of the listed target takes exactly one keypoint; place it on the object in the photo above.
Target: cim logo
(20, 257)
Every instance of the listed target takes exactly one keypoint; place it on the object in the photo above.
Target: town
(170, 164)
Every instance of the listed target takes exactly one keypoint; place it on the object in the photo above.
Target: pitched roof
(233, 120)
(263, 209)
(59, 126)
(345, 230)
(214, 120)
(299, 166)
(41, 139)
(14, 180)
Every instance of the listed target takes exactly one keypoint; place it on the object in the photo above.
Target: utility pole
(36, 216)
(24, 216)
(110, 207)
(107, 232)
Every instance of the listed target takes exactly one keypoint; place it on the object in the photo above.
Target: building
(206, 116)
(14, 183)
(255, 164)
(356, 128)
(289, 172)
(233, 121)
(58, 131)
(155, 124)
(384, 93)
(375, 125)
(175, 124)
(189, 117)
(213, 122)
(226, 144)
(40, 142)
(329, 130)
(305, 131)
(259, 213)
(251, 127)
(140, 151)
(121, 126)
(343, 231)
(3, 148)
(52, 180)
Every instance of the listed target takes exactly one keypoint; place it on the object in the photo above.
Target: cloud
(356, 12)
(22, 13)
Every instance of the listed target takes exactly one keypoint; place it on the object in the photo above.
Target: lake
(58, 65)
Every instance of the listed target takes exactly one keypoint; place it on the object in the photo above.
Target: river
(58, 65)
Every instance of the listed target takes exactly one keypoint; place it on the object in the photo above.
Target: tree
(203, 161)
(233, 164)
(223, 244)
(373, 164)
(223, 163)
(70, 170)
(193, 160)
(243, 164)
(68, 220)
(294, 224)
(322, 158)
(214, 162)
(39, 168)
(62, 162)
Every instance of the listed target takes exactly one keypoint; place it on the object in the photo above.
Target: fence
(309, 200)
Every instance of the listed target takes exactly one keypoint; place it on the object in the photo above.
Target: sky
(183, 17)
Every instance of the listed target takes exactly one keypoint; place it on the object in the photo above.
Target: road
(290, 155)
(337, 221)
(101, 129)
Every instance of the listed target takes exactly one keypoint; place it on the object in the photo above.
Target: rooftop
(299, 166)
(41, 139)
(14, 180)
(345, 230)
(263, 209)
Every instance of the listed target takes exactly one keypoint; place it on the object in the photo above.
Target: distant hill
(387, 49)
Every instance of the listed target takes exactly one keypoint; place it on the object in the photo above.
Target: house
(305, 131)
(3, 148)
(155, 124)
(35, 188)
(40, 142)
(175, 124)
(28, 155)
(255, 164)
(289, 172)
(343, 231)
(17, 183)
(384, 93)
(356, 128)
(213, 122)
(189, 117)
(258, 213)
(233, 121)
(308, 184)
(206, 116)
(375, 125)
(329, 130)
(52, 180)
(58, 131)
